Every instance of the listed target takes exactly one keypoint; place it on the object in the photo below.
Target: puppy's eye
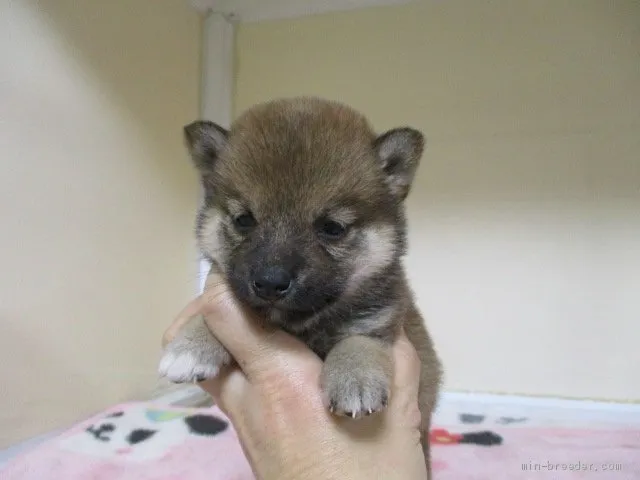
(244, 222)
(330, 229)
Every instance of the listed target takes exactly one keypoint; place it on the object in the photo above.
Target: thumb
(406, 378)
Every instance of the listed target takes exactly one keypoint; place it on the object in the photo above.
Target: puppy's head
(303, 203)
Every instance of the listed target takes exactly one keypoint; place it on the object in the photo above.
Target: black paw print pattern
(207, 425)
(472, 418)
(510, 420)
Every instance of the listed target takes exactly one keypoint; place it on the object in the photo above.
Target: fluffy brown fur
(304, 216)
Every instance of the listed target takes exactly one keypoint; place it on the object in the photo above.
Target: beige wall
(525, 218)
(96, 201)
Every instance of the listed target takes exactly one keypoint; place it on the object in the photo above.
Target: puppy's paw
(187, 361)
(355, 392)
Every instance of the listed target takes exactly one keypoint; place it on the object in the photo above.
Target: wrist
(331, 464)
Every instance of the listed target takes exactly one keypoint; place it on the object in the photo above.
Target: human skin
(272, 396)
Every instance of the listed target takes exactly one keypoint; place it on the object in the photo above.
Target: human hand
(272, 396)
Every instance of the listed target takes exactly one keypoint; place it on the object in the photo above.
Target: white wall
(97, 199)
(525, 217)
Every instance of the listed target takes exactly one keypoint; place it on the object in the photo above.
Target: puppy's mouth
(287, 316)
(293, 308)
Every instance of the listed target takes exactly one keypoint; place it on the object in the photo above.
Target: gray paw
(187, 362)
(355, 392)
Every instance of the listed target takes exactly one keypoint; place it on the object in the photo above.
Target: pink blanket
(145, 442)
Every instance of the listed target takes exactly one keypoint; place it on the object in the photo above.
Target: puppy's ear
(399, 151)
(205, 141)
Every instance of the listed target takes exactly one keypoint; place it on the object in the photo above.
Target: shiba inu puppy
(304, 216)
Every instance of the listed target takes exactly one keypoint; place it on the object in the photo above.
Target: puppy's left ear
(399, 151)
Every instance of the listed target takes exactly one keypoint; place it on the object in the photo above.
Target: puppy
(304, 216)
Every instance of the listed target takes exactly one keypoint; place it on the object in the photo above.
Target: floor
(481, 410)
(539, 411)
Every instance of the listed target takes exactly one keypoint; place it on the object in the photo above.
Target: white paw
(185, 367)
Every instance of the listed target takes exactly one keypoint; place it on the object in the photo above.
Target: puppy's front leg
(194, 354)
(356, 376)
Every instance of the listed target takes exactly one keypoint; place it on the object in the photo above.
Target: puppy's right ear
(205, 140)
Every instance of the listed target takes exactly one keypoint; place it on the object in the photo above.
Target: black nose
(272, 283)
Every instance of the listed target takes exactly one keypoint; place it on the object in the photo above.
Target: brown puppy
(304, 216)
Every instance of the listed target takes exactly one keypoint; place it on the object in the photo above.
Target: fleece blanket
(144, 441)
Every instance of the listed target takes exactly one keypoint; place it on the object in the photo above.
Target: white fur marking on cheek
(209, 235)
(378, 253)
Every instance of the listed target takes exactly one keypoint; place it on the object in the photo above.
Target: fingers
(190, 311)
(228, 388)
(406, 360)
(406, 379)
